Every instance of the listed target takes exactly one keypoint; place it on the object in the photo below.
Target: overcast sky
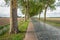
(5, 11)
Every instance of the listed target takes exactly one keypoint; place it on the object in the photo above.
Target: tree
(13, 17)
(24, 4)
(24, 11)
(34, 8)
(50, 4)
(40, 7)
(30, 7)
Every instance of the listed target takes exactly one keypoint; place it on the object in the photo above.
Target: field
(52, 18)
(53, 21)
(5, 21)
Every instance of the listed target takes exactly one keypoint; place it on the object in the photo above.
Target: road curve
(45, 32)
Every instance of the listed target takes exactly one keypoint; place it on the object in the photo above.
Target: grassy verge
(53, 22)
(4, 29)
(22, 27)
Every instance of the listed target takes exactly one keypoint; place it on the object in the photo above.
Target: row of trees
(30, 8)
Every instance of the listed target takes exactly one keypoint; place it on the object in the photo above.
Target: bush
(4, 30)
(1, 27)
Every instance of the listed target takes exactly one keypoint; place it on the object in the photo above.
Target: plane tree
(47, 4)
(13, 16)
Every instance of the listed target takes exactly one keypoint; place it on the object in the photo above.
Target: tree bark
(45, 15)
(39, 16)
(27, 9)
(25, 17)
(26, 13)
(13, 17)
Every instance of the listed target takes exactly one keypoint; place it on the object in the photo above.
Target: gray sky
(5, 11)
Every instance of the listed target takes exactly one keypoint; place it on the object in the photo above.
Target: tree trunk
(13, 17)
(27, 9)
(45, 15)
(39, 16)
(25, 17)
(26, 13)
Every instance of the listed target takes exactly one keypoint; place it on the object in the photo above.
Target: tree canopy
(34, 6)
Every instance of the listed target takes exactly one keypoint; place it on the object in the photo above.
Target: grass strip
(22, 27)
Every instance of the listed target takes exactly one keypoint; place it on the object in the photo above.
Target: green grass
(22, 27)
(52, 22)
(3, 29)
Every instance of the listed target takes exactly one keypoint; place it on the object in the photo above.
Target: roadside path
(30, 35)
